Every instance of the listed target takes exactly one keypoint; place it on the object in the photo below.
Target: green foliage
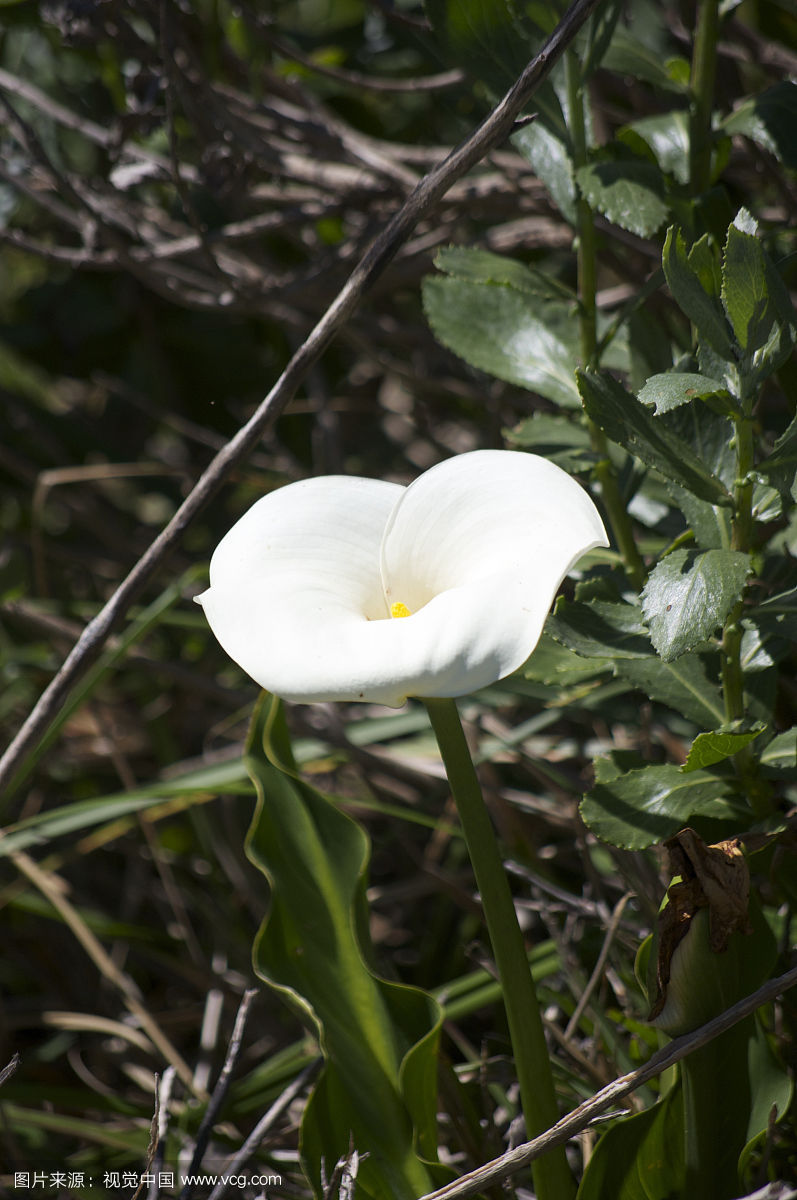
(379, 1040)
(714, 747)
(504, 327)
(640, 1157)
(552, 160)
(756, 303)
(768, 119)
(681, 451)
(644, 1155)
(186, 190)
(637, 809)
(562, 440)
(780, 467)
(600, 629)
(625, 421)
(685, 686)
(490, 40)
(666, 137)
(671, 390)
(689, 595)
(627, 193)
(693, 277)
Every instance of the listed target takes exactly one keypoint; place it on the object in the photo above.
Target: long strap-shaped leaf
(377, 1091)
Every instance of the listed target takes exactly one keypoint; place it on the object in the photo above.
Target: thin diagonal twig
(501, 1168)
(9, 1069)
(491, 133)
(595, 977)
(219, 1092)
(242, 1156)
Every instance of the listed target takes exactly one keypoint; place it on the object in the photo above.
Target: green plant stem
(741, 539)
(704, 69)
(742, 525)
(585, 224)
(587, 260)
(552, 1176)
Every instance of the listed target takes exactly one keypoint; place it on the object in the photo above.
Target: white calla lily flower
(305, 589)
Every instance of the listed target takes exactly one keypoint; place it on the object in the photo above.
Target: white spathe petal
(295, 583)
(501, 529)
(461, 640)
(475, 548)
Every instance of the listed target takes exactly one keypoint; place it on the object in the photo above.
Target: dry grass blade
(48, 885)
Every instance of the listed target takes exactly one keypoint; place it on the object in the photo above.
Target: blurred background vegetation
(184, 187)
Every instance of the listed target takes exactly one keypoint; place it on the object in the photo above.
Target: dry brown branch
(514, 1160)
(9, 1069)
(491, 133)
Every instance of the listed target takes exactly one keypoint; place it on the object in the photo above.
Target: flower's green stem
(552, 1177)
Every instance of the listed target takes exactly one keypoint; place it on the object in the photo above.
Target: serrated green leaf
(628, 194)
(554, 664)
(757, 304)
(777, 610)
(779, 757)
(767, 503)
(688, 596)
(770, 120)
(745, 295)
(710, 523)
(564, 442)
(780, 466)
(625, 421)
(311, 949)
(770, 634)
(501, 331)
(704, 260)
(482, 266)
(550, 431)
(667, 136)
(552, 160)
(627, 55)
(672, 389)
(710, 748)
(645, 807)
(599, 629)
(683, 685)
(753, 654)
(708, 434)
(489, 40)
(687, 282)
